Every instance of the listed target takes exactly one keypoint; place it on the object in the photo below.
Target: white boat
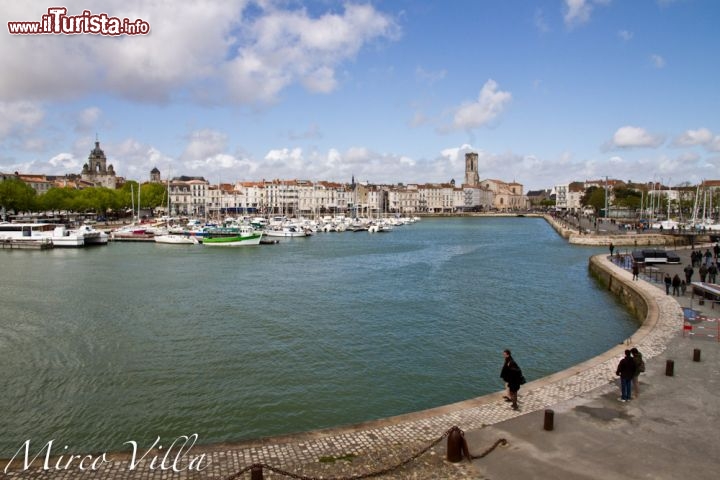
(132, 233)
(92, 236)
(57, 234)
(176, 239)
(285, 231)
(62, 237)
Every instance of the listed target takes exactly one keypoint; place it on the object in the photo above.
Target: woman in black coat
(512, 375)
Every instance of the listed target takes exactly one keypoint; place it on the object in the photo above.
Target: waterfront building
(194, 196)
(40, 183)
(506, 196)
(188, 196)
(568, 197)
(436, 198)
(404, 200)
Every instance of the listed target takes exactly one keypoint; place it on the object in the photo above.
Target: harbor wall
(574, 237)
(612, 279)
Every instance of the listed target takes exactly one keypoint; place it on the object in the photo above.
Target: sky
(386, 91)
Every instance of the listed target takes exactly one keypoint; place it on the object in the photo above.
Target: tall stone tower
(472, 177)
(97, 170)
(155, 175)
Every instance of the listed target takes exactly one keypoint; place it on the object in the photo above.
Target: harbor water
(132, 341)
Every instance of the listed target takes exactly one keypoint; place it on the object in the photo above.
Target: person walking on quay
(708, 257)
(612, 248)
(716, 250)
(635, 270)
(703, 271)
(626, 371)
(694, 257)
(676, 285)
(668, 282)
(688, 273)
(639, 368)
(712, 272)
(512, 375)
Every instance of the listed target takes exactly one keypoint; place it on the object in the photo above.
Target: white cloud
(657, 61)
(714, 146)
(490, 104)
(199, 51)
(203, 144)
(87, 119)
(632, 137)
(286, 46)
(19, 117)
(321, 80)
(578, 12)
(285, 157)
(625, 35)
(702, 136)
(66, 161)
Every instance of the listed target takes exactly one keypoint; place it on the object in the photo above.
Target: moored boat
(232, 237)
(57, 234)
(176, 239)
(92, 236)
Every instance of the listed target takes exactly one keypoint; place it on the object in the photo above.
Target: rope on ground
(377, 473)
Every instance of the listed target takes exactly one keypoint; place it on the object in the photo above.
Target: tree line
(17, 196)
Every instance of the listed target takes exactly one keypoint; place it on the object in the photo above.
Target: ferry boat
(59, 235)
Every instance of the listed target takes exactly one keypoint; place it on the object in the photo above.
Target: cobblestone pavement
(380, 445)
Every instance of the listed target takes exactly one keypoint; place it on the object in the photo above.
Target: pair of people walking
(629, 370)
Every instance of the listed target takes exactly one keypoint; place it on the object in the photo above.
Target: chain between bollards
(256, 469)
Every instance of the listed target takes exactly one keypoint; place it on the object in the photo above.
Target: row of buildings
(195, 196)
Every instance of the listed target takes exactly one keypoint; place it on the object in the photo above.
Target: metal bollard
(669, 368)
(455, 446)
(549, 419)
(696, 355)
(256, 473)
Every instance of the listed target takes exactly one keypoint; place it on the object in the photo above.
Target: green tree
(594, 197)
(58, 199)
(627, 197)
(152, 195)
(17, 195)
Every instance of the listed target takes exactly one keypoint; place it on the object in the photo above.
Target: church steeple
(472, 177)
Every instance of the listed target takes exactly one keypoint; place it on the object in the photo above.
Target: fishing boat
(232, 236)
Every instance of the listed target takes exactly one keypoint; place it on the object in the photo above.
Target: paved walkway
(669, 432)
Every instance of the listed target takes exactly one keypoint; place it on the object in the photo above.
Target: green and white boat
(232, 236)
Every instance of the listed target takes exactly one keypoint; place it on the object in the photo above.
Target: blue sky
(547, 92)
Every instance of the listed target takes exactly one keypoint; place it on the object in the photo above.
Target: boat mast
(132, 202)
